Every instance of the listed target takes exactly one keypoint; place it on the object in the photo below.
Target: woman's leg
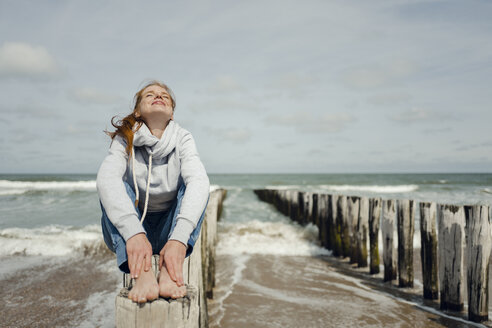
(168, 287)
(146, 287)
(172, 218)
(113, 238)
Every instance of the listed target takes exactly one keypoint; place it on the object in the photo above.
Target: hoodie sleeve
(197, 190)
(112, 191)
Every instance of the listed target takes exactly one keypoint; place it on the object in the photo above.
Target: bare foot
(145, 288)
(168, 288)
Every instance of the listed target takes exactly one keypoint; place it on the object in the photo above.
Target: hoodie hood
(158, 148)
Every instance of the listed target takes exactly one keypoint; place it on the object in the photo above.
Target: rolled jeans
(158, 225)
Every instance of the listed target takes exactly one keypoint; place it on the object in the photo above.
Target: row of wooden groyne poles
(199, 276)
(349, 227)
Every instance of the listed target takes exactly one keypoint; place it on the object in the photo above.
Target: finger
(148, 262)
(170, 270)
(138, 266)
(131, 265)
(179, 273)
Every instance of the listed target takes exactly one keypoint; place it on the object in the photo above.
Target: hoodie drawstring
(136, 187)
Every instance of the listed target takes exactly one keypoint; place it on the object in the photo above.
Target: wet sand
(288, 291)
(58, 293)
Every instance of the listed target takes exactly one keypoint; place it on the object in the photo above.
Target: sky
(264, 86)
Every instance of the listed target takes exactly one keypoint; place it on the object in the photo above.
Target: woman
(151, 155)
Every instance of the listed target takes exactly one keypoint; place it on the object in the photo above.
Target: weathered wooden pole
(451, 245)
(294, 204)
(342, 215)
(335, 246)
(350, 239)
(300, 205)
(389, 240)
(478, 250)
(374, 223)
(341, 210)
(314, 209)
(308, 217)
(406, 220)
(321, 218)
(328, 218)
(362, 232)
(428, 249)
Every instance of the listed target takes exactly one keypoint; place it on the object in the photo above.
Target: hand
(139, 253)
(173, 255)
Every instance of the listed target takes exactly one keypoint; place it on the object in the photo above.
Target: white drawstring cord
(147, 190)
(134, 177)
(136, 187)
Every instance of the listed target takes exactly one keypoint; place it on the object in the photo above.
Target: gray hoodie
(174, 157)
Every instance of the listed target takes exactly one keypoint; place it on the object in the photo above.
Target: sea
(55, 269)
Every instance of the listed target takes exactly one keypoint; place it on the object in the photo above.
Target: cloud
(292, 81)
(415, 115)
(484, 145)
(224, 104)
(412, 115)
(22, 60)
(309, 123)
(29, 112)
(387, 99)
(93, 96)
(225, 84)
(234, 135)
(369, 77)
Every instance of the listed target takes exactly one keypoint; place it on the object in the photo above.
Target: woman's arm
(112, 191)
(197, 190)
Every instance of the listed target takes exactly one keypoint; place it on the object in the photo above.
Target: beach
(56, 271)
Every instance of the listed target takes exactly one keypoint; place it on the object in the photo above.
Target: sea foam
(275, 238)
(373, 188)
(50, 240)
(8, 187)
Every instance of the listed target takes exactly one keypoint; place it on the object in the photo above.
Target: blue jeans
(158, 225)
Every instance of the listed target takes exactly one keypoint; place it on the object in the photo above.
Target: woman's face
(156, 104)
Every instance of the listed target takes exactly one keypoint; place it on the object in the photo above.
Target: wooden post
(341, 208)
(314, 209)
(406, 219)
(308, 207)
(389, 240)
(300, 205)
(362, 232)
(332, 223)
(451, 244)
(478, 252)
(342, 216)
(428, 250)
(327, 219)
(294, 205)
(350, 239)
(374, 223)
(321, 218)
(289, 195)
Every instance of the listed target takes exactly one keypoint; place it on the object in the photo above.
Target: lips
(158, 102)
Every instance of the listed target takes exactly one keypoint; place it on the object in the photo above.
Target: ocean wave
(372, 188)
(275, 238)
(52, 240)
(285, 187)
(8, 187)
